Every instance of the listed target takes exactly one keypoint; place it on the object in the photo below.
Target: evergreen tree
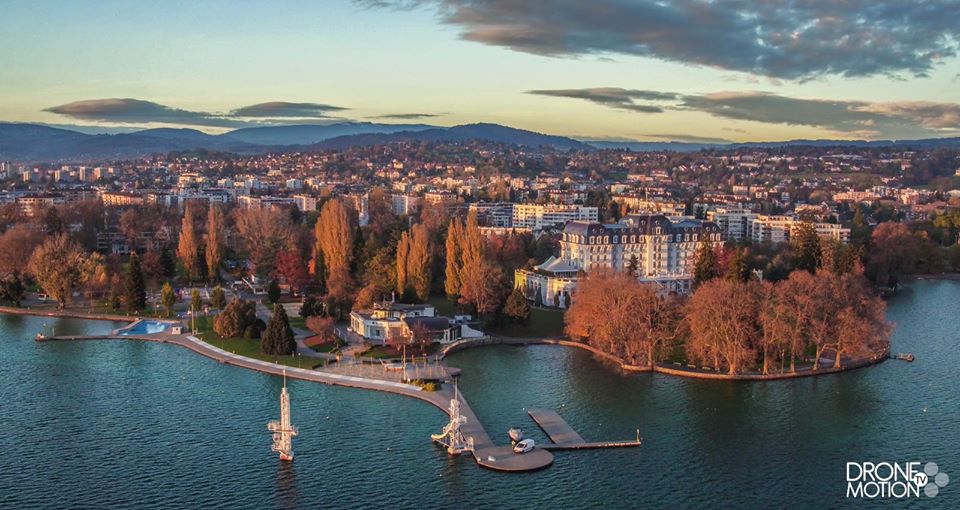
(136, 290)
(168, 298)
(403, 249)
(517, 308)
(633, 265)
(278, 339)
(218, 299)
(806, 242)
(167, 263)
(738, 268)
(705, 268)
(273, 291)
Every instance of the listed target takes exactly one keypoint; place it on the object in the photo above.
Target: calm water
(127, 424)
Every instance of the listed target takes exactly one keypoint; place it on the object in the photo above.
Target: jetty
(485, 451)
(564, 437)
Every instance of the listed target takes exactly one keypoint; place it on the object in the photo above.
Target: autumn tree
(418, 271)
(516, 308)
(168, 298)
(619, 315)
(136, 290)
(16, 248)
(196, 302)
(722, 323)
(894, 251)
(214, 245)
(292, 268)
(188, 246)
(403, 253)
(264, 233)
(323, 327)
(334, 234)
(59, 266)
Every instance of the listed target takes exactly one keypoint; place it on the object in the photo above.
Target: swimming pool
(144, 327)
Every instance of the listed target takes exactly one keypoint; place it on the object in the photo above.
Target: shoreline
(671, 369)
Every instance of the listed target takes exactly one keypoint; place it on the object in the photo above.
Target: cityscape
(463, 263)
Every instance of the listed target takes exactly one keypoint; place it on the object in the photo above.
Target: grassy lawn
(298, 322)
(543, 323)
(242, 346)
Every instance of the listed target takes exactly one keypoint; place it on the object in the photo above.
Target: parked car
(524, 446)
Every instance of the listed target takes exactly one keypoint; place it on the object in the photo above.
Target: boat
(516, 434)
(40, 337)
(905, 356)
(524, 446)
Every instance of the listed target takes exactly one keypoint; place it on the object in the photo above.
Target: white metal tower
(451, 436)
(283, 430)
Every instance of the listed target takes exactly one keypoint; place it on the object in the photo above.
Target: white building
(540, 216)
(389, 321)
(305, 203)
(778, 229)
(734, 222)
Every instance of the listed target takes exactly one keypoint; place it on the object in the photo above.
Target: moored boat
(516, 434)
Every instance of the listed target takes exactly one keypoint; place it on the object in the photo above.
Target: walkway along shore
(675, 369)
(485, 452)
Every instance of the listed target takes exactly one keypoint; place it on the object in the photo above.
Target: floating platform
(565, 438)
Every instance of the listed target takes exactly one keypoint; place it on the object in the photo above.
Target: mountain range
(30, 143)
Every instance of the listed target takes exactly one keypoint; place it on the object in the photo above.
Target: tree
(454, 259)
(484, 287)
(403, 251)
(168, 263)
(517, 308)
(311, 307)
(273, 291)
(806, 242)
(188, 246)
(278, 339)
(136, 289)
(738, 267)
(218, 298)
(419, 262)
(705, 266)
(168, 298)
(334, 235)
(214, 245)
(196, 302)
(894, 251)
(16, 247)
(265, 232)
(619, 315)
(52, 223)
(323, 327)
(722, 322)
(633, 266)
(239, 318)
(291, 267)
(59, 265)
(12, 290)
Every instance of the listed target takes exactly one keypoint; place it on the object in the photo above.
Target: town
(424, 244)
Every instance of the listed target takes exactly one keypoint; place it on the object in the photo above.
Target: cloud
(407, 116)
(622, 99)
(893, 119)
(790, 39)
(279, 109)
(138, 111)
(688, 138)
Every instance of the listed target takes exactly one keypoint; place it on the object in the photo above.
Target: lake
(120, 424)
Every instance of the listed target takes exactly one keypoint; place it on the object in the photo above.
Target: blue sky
(728, 69)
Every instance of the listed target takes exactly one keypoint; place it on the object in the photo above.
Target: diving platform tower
(283, 430)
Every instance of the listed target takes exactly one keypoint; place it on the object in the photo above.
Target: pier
(485, 451)
(565, 438)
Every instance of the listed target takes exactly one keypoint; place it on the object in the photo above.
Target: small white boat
(524, 446)
(516, 434)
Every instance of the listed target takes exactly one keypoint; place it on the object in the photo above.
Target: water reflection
(288, 496)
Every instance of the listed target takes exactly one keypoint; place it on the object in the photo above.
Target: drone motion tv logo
(894, 480)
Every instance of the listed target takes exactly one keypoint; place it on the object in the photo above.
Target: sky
(690, 70)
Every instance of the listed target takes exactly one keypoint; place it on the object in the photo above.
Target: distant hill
(466, 132)
(31, 143)
(928, 143)
(313, 133)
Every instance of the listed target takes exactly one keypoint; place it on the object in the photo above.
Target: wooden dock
(564, 437)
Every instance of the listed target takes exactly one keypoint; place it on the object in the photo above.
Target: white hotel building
(665, 251)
